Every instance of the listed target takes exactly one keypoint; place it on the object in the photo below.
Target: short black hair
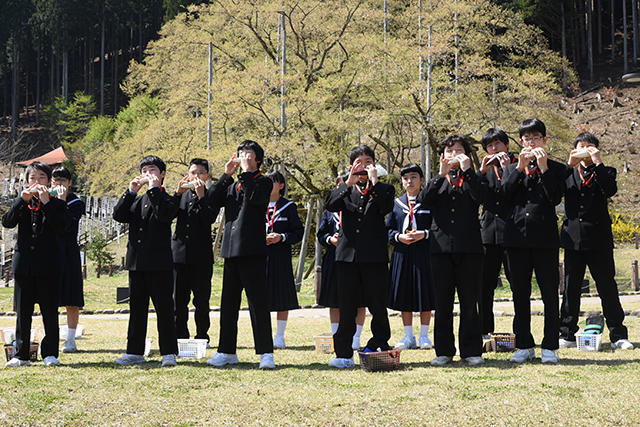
(359, 151)
(248, 144)
(61, 172)
(493, 134)
(411, 167)
(588, 137)
(37, 166)
(200, 162)
(277, 176)
(451, 140)
(532, 125)
(152, 161)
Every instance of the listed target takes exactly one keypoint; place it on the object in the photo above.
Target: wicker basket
(501, 342)
(380, 360)
(324, 343)
(11, 350)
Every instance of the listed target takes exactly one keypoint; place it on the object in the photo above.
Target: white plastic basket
(588, 342)
(192, 348)
(9, 335)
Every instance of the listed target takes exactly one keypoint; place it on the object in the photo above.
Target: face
(533, 140)
(497, 146)
(454, 150)
(581, 145)
(250, 155)
(364, 161)
(275, 190)
(58, 180)
(153, 170)
(411, 182)
(198, 171)
(37, 176)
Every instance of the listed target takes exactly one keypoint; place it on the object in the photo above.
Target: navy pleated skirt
(280, 282)
(411, 286)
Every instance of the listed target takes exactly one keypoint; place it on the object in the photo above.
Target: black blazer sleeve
(215, 195)
(163, 206)
(606, 177)
(392, 228)
(382, 197)
(296, 229)
(325, 230)
(553, 182)
(336, 200)
(122, 210)
(256, 192)
(15, 212)
(430, 192)
(75, 211)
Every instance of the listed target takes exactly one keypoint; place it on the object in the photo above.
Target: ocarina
(493, 161)
(54, 192)
(454, 163)
(582, 154)
(188, 184)
(236, 160)
(529, 155)
(144, 180)
(362, 172)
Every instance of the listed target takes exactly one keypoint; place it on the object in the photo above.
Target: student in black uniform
(361, 254)
(149, 260)
(495, 209)
(411, 287)
(71, 292)
(36, 264)
(587, 241)
(192, 250)
(534, 186)
(327, 235)
(244, 251)
(284, 229)
(454, 197)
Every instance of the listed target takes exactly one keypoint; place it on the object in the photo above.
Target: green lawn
(585, 388)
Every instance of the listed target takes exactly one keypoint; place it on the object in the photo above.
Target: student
(36, 264)
(454, 196)
(361, 253)
(192, 250)
(495, 209)
(327, 236)
(284, 229)
(588, 241)
(71, 292)
(149, 260)
(244, 251)
(411, 287)
(533, 186)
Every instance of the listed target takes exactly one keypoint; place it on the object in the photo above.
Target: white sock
(358, 331)
(424, 330)
(408, 331)
(334, 328)
(71, 335)
(282, 325)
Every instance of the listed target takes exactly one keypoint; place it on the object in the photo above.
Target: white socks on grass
(282, 325)
(424, 330)
(358, 332)
(71, 335)
(334, 328)
(408, 331)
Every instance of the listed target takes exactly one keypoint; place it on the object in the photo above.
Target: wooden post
(110, 270)
(634, 275)
(84, 271)
(561, 275)
(317, 278)
(303, 246)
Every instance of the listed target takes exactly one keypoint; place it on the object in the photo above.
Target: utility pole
(209, 96)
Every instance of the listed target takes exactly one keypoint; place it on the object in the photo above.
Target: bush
(625, 228)
(97, 251)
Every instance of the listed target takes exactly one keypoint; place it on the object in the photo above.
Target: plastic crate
(380, 360)
(502, 342)
(588, 342)
(324, 343)
(192, 348)
(11, 350)
(9, 335)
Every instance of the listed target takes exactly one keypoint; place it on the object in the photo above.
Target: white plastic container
(192, 348)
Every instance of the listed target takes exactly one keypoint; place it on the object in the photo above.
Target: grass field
(584, 388)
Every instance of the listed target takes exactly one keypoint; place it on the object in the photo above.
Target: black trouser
(602, 268)
(248, 273)
(43, 290)
(370, 279)
(492, 261)
(459, 272)
(197, 279)
(159, 286)
(521, 263)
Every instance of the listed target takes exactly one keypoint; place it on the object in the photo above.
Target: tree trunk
(625, 52)
(598, 10)
(589, 6)
(26, 91)
(14, 93)
(85, 67)
(52, 73)
(65, 75)
(116, 54)
(582, 29)
(140, 37)
(613, 31)
(38, 86)
(634, 15)
(102, 68)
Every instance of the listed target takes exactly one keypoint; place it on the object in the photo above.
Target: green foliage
(625, 229)
(70, 121)
(98, 252)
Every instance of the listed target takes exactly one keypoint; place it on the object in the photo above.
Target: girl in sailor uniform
(284, 229)
(411, 287)
(327, 236)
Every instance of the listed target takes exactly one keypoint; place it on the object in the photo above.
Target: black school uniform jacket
(587, 224)
(191, 243)
(533, 196)
(36, 251)
(149, 217)
(455, 227)
(495, 208)
(329, 225)
(286, 222)
(245, 203)
(363, 235)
